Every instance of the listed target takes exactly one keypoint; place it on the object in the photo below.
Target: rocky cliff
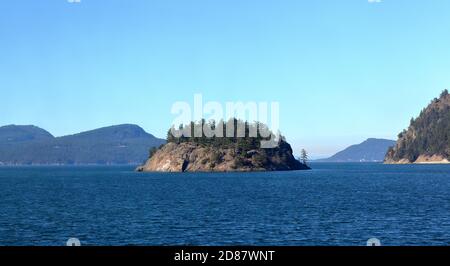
(195, 157)
(427, 140)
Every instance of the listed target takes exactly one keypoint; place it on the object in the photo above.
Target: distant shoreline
(420, 163)
(422, 159)
(62, 165)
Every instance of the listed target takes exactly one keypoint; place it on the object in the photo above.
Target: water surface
(334, 204)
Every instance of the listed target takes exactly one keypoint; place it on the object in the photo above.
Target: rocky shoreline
(423, 159)
(193, 157)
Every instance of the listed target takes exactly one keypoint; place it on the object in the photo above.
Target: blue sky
(342, 71)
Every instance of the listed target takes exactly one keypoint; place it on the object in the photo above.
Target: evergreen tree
(304, 157)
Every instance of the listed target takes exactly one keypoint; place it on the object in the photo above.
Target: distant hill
(122, 144)
(371, 150)
(16, 134)
(427, 140)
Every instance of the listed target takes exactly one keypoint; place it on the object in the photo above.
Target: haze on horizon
(342, 71)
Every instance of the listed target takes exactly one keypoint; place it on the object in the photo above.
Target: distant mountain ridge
(31, 145)
(15, 134)
(371, 150)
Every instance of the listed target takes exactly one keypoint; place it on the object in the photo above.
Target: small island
(221, 154)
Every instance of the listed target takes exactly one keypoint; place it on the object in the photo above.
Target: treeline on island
(234, 132)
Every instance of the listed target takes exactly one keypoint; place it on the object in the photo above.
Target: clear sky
(342, 71)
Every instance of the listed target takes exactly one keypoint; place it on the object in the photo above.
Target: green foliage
(304, 156)
(429, 134)
(261, 159)
(242, 144)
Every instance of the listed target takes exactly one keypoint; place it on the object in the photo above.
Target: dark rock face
(427, 140)
(195, 157)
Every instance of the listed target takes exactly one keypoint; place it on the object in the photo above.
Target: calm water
(334, 204)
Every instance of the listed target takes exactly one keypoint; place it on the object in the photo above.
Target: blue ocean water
(333, 204)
